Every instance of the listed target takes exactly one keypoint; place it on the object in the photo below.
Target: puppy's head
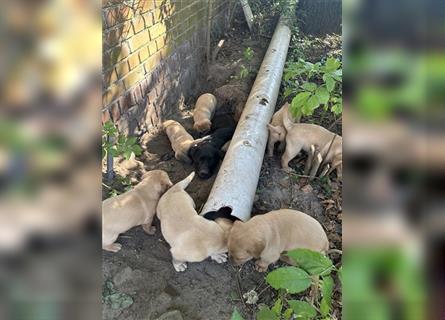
(203, 126)
(205, 158)
(157, 179)
(277, 133)
(244, 244)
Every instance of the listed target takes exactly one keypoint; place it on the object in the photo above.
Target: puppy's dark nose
(204, 174)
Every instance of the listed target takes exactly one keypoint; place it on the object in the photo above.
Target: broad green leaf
(288, 314)
(312, 103)
(337, 108)
(266, 314)
(131, 140)
(277, 307)
(313, 262)
(288, 91)
(236, 315)
(332, 64)
(300, 99)
(322, 95)
(327, 286)
(330, 84)
(114, 152)
(302, 309)
(309, 86)
(292, 279)
(127, 154)
(137, 150)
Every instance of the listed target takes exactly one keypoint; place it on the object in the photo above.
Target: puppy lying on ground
(277, 132)
(180, 140)
(192, 238)
(302, 135)
(266, 236)
(206, 152)
(133, 208)
(203, 113)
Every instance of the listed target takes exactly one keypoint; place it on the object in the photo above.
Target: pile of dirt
(142, 273)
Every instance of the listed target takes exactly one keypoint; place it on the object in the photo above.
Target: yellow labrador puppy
(277, 132)
(300, 136)
(180, 140)
(191, 237)
(266, 236)
(203, 113)
(133, 208)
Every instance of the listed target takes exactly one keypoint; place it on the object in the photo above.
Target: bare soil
(143, 271)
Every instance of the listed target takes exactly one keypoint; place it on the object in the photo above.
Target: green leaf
(127, 154)
(311, 104)
(302, 309)
(277, 307)
(322, 95)
(137, 150)
(288, 314)
(131, 140)
(327, 287)
(114, 152)
(330, 83)
(236, 315)
(266, 314)
(337, 109)
(300, 99)
(292, 279)
(332, 64)
(309, 86)
(313, 262)
(288, 91)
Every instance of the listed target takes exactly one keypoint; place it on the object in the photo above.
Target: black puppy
(206, 152)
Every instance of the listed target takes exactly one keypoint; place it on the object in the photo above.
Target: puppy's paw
(288, 170)
(260, 266)
(179, 266)
(219, 257)
(114, 247)
(149, 229)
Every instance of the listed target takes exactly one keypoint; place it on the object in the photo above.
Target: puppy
(267, 236)
(277, 132)
(192, 238)
(302, 135)
(203, 113)
(180, 140)
(206, 152)
(133, 208)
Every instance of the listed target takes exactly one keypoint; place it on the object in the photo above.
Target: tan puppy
(192, 237)
(277, 132)
(302, 135)
(266, 236)
(180, 140)
(133, 208)
(203, 113)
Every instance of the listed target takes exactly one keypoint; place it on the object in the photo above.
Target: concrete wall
(153, 54)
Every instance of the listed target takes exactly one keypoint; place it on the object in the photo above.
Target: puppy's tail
(287, 122)
(184, 183)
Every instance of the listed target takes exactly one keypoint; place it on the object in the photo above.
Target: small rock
(123, 276)
(171, 315)
(307, 188)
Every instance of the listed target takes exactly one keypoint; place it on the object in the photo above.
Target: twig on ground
(334, 123)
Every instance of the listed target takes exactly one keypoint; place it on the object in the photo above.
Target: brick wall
(153, 53)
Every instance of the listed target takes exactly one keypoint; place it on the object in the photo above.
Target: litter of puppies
(194, 238)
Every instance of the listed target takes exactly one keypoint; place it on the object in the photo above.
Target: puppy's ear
(192, 151)
(272, 128)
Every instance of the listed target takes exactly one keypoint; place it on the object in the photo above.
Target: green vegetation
(313, 85)
(314, 271)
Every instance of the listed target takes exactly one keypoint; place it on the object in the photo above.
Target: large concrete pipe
(234, 189)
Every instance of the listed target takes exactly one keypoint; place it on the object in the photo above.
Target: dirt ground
(142, 270)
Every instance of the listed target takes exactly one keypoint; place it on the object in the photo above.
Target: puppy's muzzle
(204, 173)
